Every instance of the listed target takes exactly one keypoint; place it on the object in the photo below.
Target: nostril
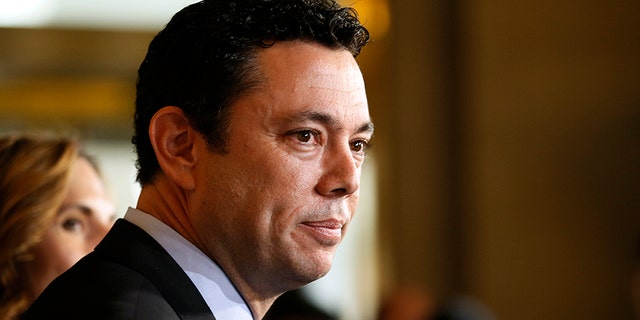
(339, 191)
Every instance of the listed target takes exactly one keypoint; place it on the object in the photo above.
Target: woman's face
(84, 218)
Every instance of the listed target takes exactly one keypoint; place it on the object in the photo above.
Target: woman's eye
(72, 224)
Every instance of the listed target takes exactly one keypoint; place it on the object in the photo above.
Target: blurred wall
(512, 168)
(70, 78)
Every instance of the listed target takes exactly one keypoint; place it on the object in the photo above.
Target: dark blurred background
(507, 157)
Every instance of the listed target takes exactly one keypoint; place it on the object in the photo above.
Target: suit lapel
(129, 245)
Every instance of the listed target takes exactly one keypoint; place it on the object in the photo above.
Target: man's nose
(341, 173)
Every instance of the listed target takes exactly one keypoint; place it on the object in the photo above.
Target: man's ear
(173, 141)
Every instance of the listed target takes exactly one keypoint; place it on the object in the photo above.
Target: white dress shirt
(213, 284)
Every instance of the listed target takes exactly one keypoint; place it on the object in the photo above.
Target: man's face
(272, 210)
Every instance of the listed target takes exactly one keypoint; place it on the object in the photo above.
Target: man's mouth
(327, 232)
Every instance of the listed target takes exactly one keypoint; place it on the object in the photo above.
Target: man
(251, 129)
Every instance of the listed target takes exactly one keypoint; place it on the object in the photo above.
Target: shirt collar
(213, 284)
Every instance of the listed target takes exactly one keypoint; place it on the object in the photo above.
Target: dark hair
(205, 58)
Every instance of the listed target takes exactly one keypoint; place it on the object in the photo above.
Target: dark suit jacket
(128, 276)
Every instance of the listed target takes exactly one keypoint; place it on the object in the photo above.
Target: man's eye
(304, 136)
(359, 146)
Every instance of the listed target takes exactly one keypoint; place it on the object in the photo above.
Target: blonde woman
(54, 209)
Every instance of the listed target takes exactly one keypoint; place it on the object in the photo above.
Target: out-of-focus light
(89, 14)
(374, 14)
(26, 13)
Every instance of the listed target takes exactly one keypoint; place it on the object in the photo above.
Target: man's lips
(327, 232)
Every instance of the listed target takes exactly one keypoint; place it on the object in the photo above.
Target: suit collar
(129, 245)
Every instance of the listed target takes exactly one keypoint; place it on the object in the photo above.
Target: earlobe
(173, 140)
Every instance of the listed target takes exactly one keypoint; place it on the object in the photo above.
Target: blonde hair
(34, 179)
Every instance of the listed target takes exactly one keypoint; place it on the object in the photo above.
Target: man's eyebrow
(328, 120)
(367, 127)
(314, 116)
